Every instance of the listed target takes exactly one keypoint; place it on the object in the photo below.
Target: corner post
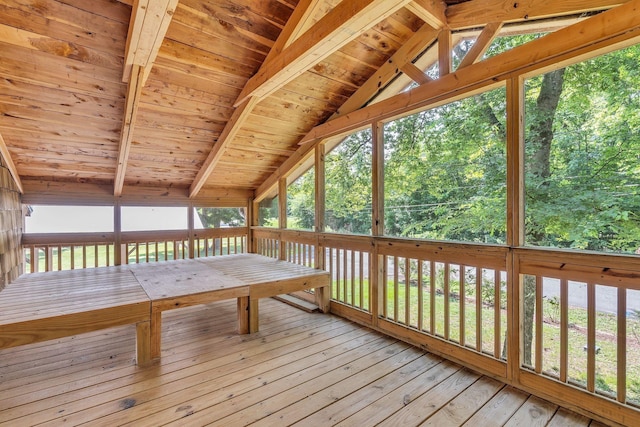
(377, 199)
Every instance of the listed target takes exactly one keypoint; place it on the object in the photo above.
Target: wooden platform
(45, 306)
(301, 368)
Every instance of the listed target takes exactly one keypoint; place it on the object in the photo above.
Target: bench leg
(323, 298)
(143, 342)
(254, 320)
(243, 315)
(156, 334)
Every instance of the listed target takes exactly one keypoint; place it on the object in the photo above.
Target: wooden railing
(555, 323)
(70, 251)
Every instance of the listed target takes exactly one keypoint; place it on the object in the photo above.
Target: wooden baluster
(395, 289)
(539, 325)
(407, 291)
(564, 329)
(73, 257)
(461, 295)
(621, 394)
(432, 308)
(478, 309)
(420, 297)
(497, 348)
(446, 290)
(591, 337)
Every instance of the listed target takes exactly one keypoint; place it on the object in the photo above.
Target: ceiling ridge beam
(345, 22)
(6, 156)
(478, 13)
(600, 34)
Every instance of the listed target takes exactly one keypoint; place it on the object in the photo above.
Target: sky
(67, 219)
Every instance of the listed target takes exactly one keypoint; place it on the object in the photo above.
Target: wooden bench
(44, 306)
(246, 277)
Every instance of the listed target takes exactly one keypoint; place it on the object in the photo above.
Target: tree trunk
(540, 138)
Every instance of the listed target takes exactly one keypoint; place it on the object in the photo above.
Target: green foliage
(348, 185)
(268, 212)
(301, 202)
(590, 198)
(445, 172)
(216, 217)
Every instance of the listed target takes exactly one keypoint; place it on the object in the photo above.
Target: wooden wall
(11, 228)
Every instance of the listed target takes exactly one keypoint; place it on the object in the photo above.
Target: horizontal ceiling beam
(345, 22)
(608, 31)
(430, 11)
(478, 13)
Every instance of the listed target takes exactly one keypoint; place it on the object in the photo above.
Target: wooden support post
(323, 295)
(155, 334)
(190, 224)
(377, 180)
(444, 52)
(244, 319)
(143, 343)
(118, 252)
(250, 219)
(254, 320)
(282, 216)
(515, 224)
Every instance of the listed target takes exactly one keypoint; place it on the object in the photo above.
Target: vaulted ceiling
(214, 95)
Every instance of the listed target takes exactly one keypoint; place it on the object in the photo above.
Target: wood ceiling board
(37, 146)
(188, 55)
(57, 47)
(244, 56)
(287, 110)
(173, 142)
(203, 112)
(325, 92)
(38, 140)
(60, 131)
(214, 78)
(53, 156)
(161, 155)
(82, 21)
(32, 92)
(154, 133)
(264, 19)
(19, 112)
(100, 44)
(251, 158)
(153, 113)
(90, 112)
(174, 124)
(191, 101)
(339, 68)
(165, 79)
(116, 11)
(46, 73)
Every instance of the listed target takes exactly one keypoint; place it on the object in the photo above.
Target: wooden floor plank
(499, 409)
(565, 418)
(304, 368)
(534, 412)
(466, 404)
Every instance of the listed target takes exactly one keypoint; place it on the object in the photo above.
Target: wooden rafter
(477, 13)
(242, 112)
(6, 156)
(424, 37)
(600, 34)
(229, 132)
(415, 73)
(445, 46)
(344, 23)
(134, 91)
(148, 25)
(481, 44)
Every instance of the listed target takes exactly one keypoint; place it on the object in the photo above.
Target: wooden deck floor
(303, 369)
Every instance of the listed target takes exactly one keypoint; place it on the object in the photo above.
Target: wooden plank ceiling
(194, 95)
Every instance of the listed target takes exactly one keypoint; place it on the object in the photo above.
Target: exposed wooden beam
(415, 73)
(134, 90)
(147, 27)
(597, 35)
(150, 20)
(347, 21)
(445, 47)
(6, 156)
(242, 112)
(424, 37)
(297, 21)
(478, 13)
(481, 44)
(430, 11)
(229, 132)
